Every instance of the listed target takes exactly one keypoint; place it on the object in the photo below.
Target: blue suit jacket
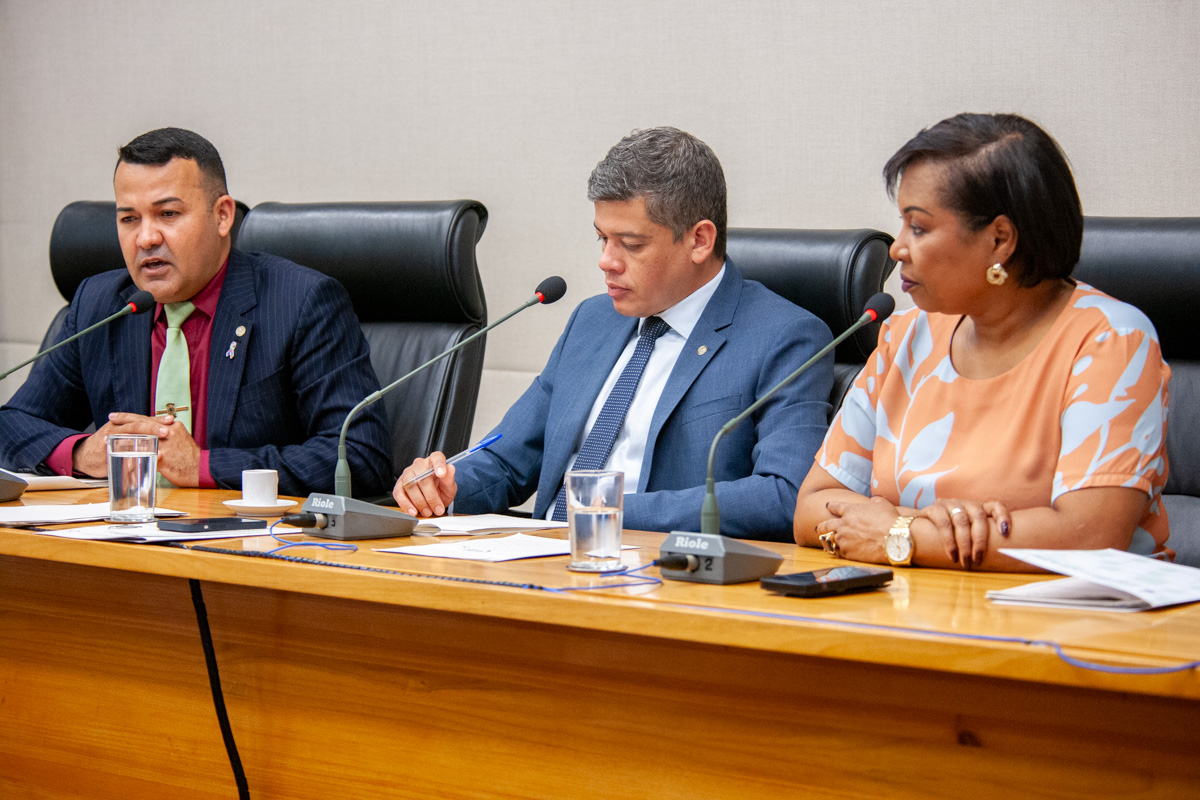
(300, 365)
(754, 339)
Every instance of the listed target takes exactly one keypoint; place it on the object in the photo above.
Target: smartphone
(823, 582)
(210, 524)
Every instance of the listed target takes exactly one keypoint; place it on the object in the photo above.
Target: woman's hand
(964, 526)
(858, 528)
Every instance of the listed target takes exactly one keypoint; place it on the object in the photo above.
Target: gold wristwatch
(898, 543)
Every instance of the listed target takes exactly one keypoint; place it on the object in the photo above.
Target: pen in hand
(452, 459)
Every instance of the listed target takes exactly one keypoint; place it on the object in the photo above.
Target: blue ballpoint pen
(452, 459)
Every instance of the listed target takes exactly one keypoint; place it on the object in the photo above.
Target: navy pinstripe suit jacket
(300, 365)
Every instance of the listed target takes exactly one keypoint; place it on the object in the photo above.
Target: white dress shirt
(630, 445)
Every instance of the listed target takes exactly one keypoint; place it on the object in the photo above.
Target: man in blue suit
(715, 344)
(272, 358)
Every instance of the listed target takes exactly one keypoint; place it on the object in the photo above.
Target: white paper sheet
(50, 483)
(19, 516)
(470, 525)
(146, 533)
(1110, 580)
(508, 548)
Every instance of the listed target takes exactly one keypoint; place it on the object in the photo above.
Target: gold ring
(829, 543)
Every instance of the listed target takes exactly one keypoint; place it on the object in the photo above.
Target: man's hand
(431, 496)
(178, 453)
(90, 455)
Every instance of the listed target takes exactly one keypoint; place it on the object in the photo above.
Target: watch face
(896, 547)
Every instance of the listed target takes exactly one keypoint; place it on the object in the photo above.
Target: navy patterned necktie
(599, 442)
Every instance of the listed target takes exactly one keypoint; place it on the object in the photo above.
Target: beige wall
(513, 103)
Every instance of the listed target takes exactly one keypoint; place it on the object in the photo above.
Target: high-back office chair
(829, 273)
(83, 243)
(1154, 264)
(411, 274)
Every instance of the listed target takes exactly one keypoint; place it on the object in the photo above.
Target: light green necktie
(174, 389)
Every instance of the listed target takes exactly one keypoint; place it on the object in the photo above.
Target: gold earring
(997, 274)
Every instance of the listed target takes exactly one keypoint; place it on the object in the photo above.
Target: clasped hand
(178, 453)
(963, 527)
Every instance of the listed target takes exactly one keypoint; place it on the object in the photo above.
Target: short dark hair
(678, 174)
(160, 146)
(1004, 164)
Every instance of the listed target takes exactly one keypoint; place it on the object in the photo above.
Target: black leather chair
(1154, 263)
(830, 273)
(411, 274)
(83, 243)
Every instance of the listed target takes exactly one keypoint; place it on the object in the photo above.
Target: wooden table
(343, 683)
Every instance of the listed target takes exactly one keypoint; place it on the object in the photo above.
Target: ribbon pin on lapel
(229, 352)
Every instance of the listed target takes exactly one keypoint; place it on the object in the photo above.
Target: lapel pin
(703, 349)
(229, 352)
(241, 330)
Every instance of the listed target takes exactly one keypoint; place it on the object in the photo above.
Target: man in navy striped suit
(273, 357)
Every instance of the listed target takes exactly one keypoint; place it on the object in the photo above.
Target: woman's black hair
(1004, 164)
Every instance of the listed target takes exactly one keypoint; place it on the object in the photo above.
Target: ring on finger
(829, 543)
(954, 512)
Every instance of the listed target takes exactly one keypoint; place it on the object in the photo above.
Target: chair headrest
(410, 261)
(1152, 263)
(83, 242)
(831, 273)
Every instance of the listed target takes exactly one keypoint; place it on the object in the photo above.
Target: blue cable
(287, 545)
(646, 580)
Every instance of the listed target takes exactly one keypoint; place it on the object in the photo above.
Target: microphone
(12, 485)
(141, 302)
(709, 557)
(349, 516)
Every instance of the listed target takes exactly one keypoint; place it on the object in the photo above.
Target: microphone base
(12, 486)
(350, 520)
(720, 559)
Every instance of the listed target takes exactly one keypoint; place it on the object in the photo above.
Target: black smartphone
(210, 524)
(822, 582)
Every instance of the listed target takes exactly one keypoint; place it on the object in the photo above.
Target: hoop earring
(997, 274)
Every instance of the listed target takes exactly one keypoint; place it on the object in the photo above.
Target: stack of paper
(24, 516)
(147, 533)
(53, 483)
(1106, 580)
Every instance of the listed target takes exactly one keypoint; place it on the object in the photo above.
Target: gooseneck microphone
(547, 292)
(12, 485)
(731, 561)
(141, 302)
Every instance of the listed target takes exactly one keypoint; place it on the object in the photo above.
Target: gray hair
(678, 174)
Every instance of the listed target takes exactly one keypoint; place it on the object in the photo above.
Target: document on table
(471, 525)
(1103, 580)
(146, 533)
(50, 483)
(24, 516)
(508, 548)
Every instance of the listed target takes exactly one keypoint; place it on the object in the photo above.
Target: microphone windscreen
(141, 301)
(883, 304)
(551, 289)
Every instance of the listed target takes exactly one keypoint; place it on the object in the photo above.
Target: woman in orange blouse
(1014, 406)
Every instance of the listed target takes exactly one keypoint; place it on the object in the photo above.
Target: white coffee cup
(260, 487)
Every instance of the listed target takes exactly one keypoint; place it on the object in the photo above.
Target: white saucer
(242, 507)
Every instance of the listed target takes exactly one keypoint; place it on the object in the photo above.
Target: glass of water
(132, 468)
(595, 512)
